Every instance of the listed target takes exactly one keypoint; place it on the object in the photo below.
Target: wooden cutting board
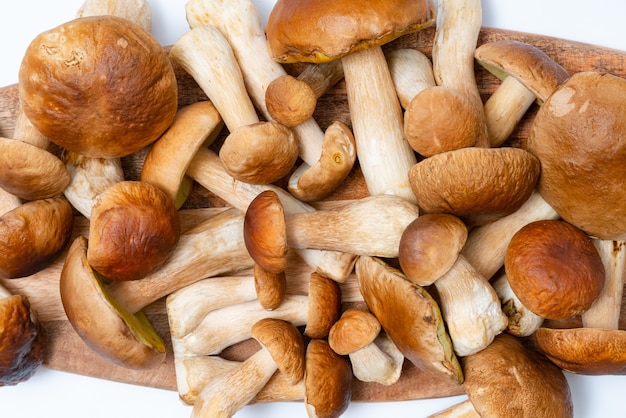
(67, 352)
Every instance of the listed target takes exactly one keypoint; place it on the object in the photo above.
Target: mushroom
(410, 317)
(319, 32)
(469, 304)
(240, 24)
(527, 75)
(554, 269)
(374, 356)
(411, 72)
(282, 348)
(22, 339)
(137, 11)
(133, 229)
(506, 379)
(325, 305)
(476, 184)
(458, 25)
(522, 321)
(94, 86)
(292, 100)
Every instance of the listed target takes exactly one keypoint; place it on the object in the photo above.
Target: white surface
(54, 394)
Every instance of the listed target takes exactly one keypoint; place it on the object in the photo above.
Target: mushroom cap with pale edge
(108, 329)
(22, 340)
(508, 380)
(134, 227)
(327, 381)
(579, 135)
(410, 317)
(526, 63)
(100, 86)
(33, 235)
(324, 305)
(588, 351)
(430, 246)
(284, 343)
(554, 269)
(479, 185)
(321, 31)
(355, 329)
(265, 232)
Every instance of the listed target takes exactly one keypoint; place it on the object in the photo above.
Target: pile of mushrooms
(450, 262)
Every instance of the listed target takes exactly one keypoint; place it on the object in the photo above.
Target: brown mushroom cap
(324, 306)
(430, 246)
(579, 136)
(528, 64)
(100, 86)
(589, 351)
(506, 379)
(30, 172)
(22, 340)
(33, 235)
(134, 227)
(478, 185)
(270, 287)
(265, 232)
(284, 343)
(554, 269)
(320, 31)
(289, 100)
(355, 329)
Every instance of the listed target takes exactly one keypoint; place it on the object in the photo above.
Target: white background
(54, 394)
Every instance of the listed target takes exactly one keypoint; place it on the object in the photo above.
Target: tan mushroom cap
(115, 334)
(110, 89)
(319, 31)
(430, 246)
(355, 329)
(478, 185)
(579, 136)
(528, 64)
(22, 340)
(34, 235)
(506, 379)
(324, 306)
(134, 227)
(289, 100)
(284, 343)
(30, 172)
(440, 119)
(554, 269)
(589, 351)
(265, 232)
(270, 288)
(327, 381)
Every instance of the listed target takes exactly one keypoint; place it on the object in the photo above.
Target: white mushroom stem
(321, 77)
(213, 247)
(211, 337)
(137, 11)
(369, 226)
(207, 169)
(380, 361)
(605, 311)
(384, 155)
(486, 245)
(458, 26)
(470, 308)
(411, 72)
(522, 321)
(463, 409)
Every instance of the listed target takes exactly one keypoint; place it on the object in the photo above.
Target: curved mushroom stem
(522, 321)
(379, 361)
(411, 72)
(458, 26)
(605, 311)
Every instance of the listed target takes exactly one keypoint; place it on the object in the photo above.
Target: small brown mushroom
(324, 306)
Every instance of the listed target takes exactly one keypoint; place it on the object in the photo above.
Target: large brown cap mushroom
(579, 136)
(506, 380)
(33, 235)
(589, 351)
(302, 30)
(476, 184)
(99, 86)
(554, 269)
(22, 339)
(134, 227)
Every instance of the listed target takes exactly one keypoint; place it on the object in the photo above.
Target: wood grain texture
(67, 352)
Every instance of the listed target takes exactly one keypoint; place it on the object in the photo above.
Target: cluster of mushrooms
(472, 260)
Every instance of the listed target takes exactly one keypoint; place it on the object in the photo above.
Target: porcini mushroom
(411, 72)
(315, 31)
(137, 11)
(282, 348)
(22, 339)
